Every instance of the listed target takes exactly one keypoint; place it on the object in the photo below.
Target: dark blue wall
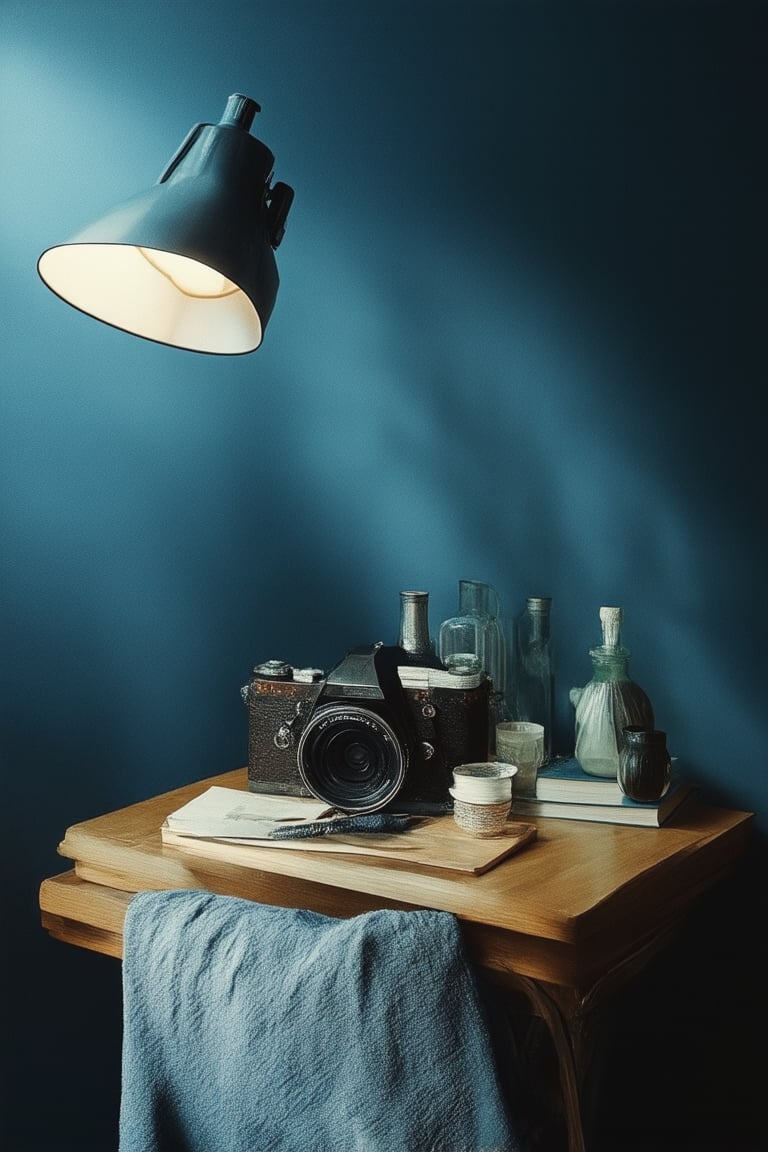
(520, 338)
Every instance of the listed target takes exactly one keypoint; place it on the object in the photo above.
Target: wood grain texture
(565, 910)
(575, 881)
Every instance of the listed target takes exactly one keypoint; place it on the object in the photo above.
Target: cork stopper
(610, 620)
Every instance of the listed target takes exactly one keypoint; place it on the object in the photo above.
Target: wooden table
(566, 920)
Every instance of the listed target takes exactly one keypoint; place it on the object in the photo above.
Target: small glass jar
(645, 765)
(462, 644)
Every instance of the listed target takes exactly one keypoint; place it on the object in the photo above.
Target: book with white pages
(626, 812)
(222, 813)
(234, 826)
(564, 780)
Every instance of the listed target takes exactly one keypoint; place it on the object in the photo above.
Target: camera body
(374, 732)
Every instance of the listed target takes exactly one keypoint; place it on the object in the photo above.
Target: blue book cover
(565, 780)
(645, 815)
(615, 809)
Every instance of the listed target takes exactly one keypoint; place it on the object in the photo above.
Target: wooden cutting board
(435, 842)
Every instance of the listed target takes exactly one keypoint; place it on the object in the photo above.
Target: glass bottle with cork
(609, 703)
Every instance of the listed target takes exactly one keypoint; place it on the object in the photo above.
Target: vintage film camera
(375, 732)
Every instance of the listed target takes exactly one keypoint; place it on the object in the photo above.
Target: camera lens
(351, 758)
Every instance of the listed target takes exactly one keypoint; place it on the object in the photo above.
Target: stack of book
(564, 790)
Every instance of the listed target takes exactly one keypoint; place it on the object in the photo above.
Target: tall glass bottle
(473, 641)
(609, 703)
(414, 637)
(481, 601)
(534, 679)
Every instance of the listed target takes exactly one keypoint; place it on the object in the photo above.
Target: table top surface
(576, 882)
(569, 916)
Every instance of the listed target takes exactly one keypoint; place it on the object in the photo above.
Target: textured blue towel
(249, 1028)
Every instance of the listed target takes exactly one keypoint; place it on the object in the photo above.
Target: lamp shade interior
(172, 300)
(159, 295)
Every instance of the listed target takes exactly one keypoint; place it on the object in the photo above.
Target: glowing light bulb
(189, 276)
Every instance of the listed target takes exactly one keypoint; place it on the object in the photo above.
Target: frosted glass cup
(521, 742)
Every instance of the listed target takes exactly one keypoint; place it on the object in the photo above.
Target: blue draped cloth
(249, 1028)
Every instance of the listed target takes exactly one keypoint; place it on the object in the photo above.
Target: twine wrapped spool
(483, 783)
(481, 820)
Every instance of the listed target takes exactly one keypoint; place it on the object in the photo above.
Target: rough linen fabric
(249, 1028)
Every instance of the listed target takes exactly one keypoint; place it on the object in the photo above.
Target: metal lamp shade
(189, 263)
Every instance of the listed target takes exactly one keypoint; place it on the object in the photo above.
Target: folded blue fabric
(249, 1028)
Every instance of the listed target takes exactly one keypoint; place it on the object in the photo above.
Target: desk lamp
(189, 263)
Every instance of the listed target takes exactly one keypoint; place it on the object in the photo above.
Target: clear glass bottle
(609, 703)
(478, 629)
(533, 692)
(414, 637)
(482, 601)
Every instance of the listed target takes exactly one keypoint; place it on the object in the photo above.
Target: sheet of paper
(224, 813)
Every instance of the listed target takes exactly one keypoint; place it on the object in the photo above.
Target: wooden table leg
(572, 1017)
(569, 1041)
